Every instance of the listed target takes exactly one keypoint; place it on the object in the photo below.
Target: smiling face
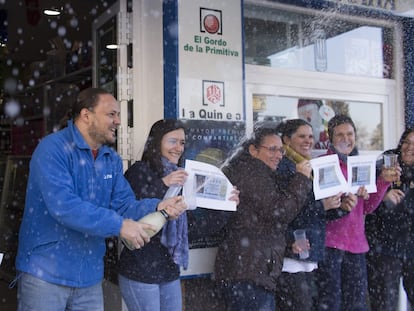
(103, 121)
(301, 141)
(270, 151)
(344, 138)
(172, 145)
(407, 149)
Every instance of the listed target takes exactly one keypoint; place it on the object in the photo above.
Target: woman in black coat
(249, 260)
(390, 233)
(149, 277)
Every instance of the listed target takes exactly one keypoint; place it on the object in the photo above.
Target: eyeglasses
(407, 142)
(274, 149)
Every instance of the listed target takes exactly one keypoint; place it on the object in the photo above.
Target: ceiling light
(112, 46)
(51, 12)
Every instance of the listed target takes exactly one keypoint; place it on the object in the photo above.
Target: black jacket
(390, 229)
(152, 263)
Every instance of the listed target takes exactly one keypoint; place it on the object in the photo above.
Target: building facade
(221, 66)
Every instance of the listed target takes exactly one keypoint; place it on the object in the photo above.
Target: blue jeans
(151, 297)
(342, 281)
(34, 294)
(246, 296)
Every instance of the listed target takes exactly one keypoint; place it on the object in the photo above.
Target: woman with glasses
(249, 260)
(296, 285)
(390, 233)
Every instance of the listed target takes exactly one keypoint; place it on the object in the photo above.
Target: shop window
(318, 41)
(366, 116)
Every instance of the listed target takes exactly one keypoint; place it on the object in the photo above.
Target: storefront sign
(377, 4)
(210, 60)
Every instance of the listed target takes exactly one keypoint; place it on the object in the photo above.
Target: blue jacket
(72, 204)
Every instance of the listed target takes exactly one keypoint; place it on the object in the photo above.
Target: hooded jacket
(73, 203)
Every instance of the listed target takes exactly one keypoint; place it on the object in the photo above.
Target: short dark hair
(87, 98)
(338, 120)
(152, 149)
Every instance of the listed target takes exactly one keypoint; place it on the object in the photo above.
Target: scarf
(341, 156)
(174, 235)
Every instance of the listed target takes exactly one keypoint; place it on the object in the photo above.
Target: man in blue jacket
(76, 197)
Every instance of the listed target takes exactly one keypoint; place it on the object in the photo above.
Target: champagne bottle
(157, 219)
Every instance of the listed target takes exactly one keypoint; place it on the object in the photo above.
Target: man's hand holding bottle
(135, 234)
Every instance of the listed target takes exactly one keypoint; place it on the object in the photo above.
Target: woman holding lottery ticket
(342, 276)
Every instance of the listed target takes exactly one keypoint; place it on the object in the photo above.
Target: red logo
(213, 94)
(211, 23)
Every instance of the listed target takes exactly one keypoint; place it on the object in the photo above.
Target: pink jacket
(348, 233)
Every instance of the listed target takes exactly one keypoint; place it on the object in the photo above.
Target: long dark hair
(152, 149)
(403, 137)
(289, 127)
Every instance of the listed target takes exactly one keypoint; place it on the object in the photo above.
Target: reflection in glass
(11, 211)
(106, 57)
(325, 42)
(318, 112)
(319, 50)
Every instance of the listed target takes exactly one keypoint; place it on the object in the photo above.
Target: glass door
(105, 42)
(110, 63)
(111, 41)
